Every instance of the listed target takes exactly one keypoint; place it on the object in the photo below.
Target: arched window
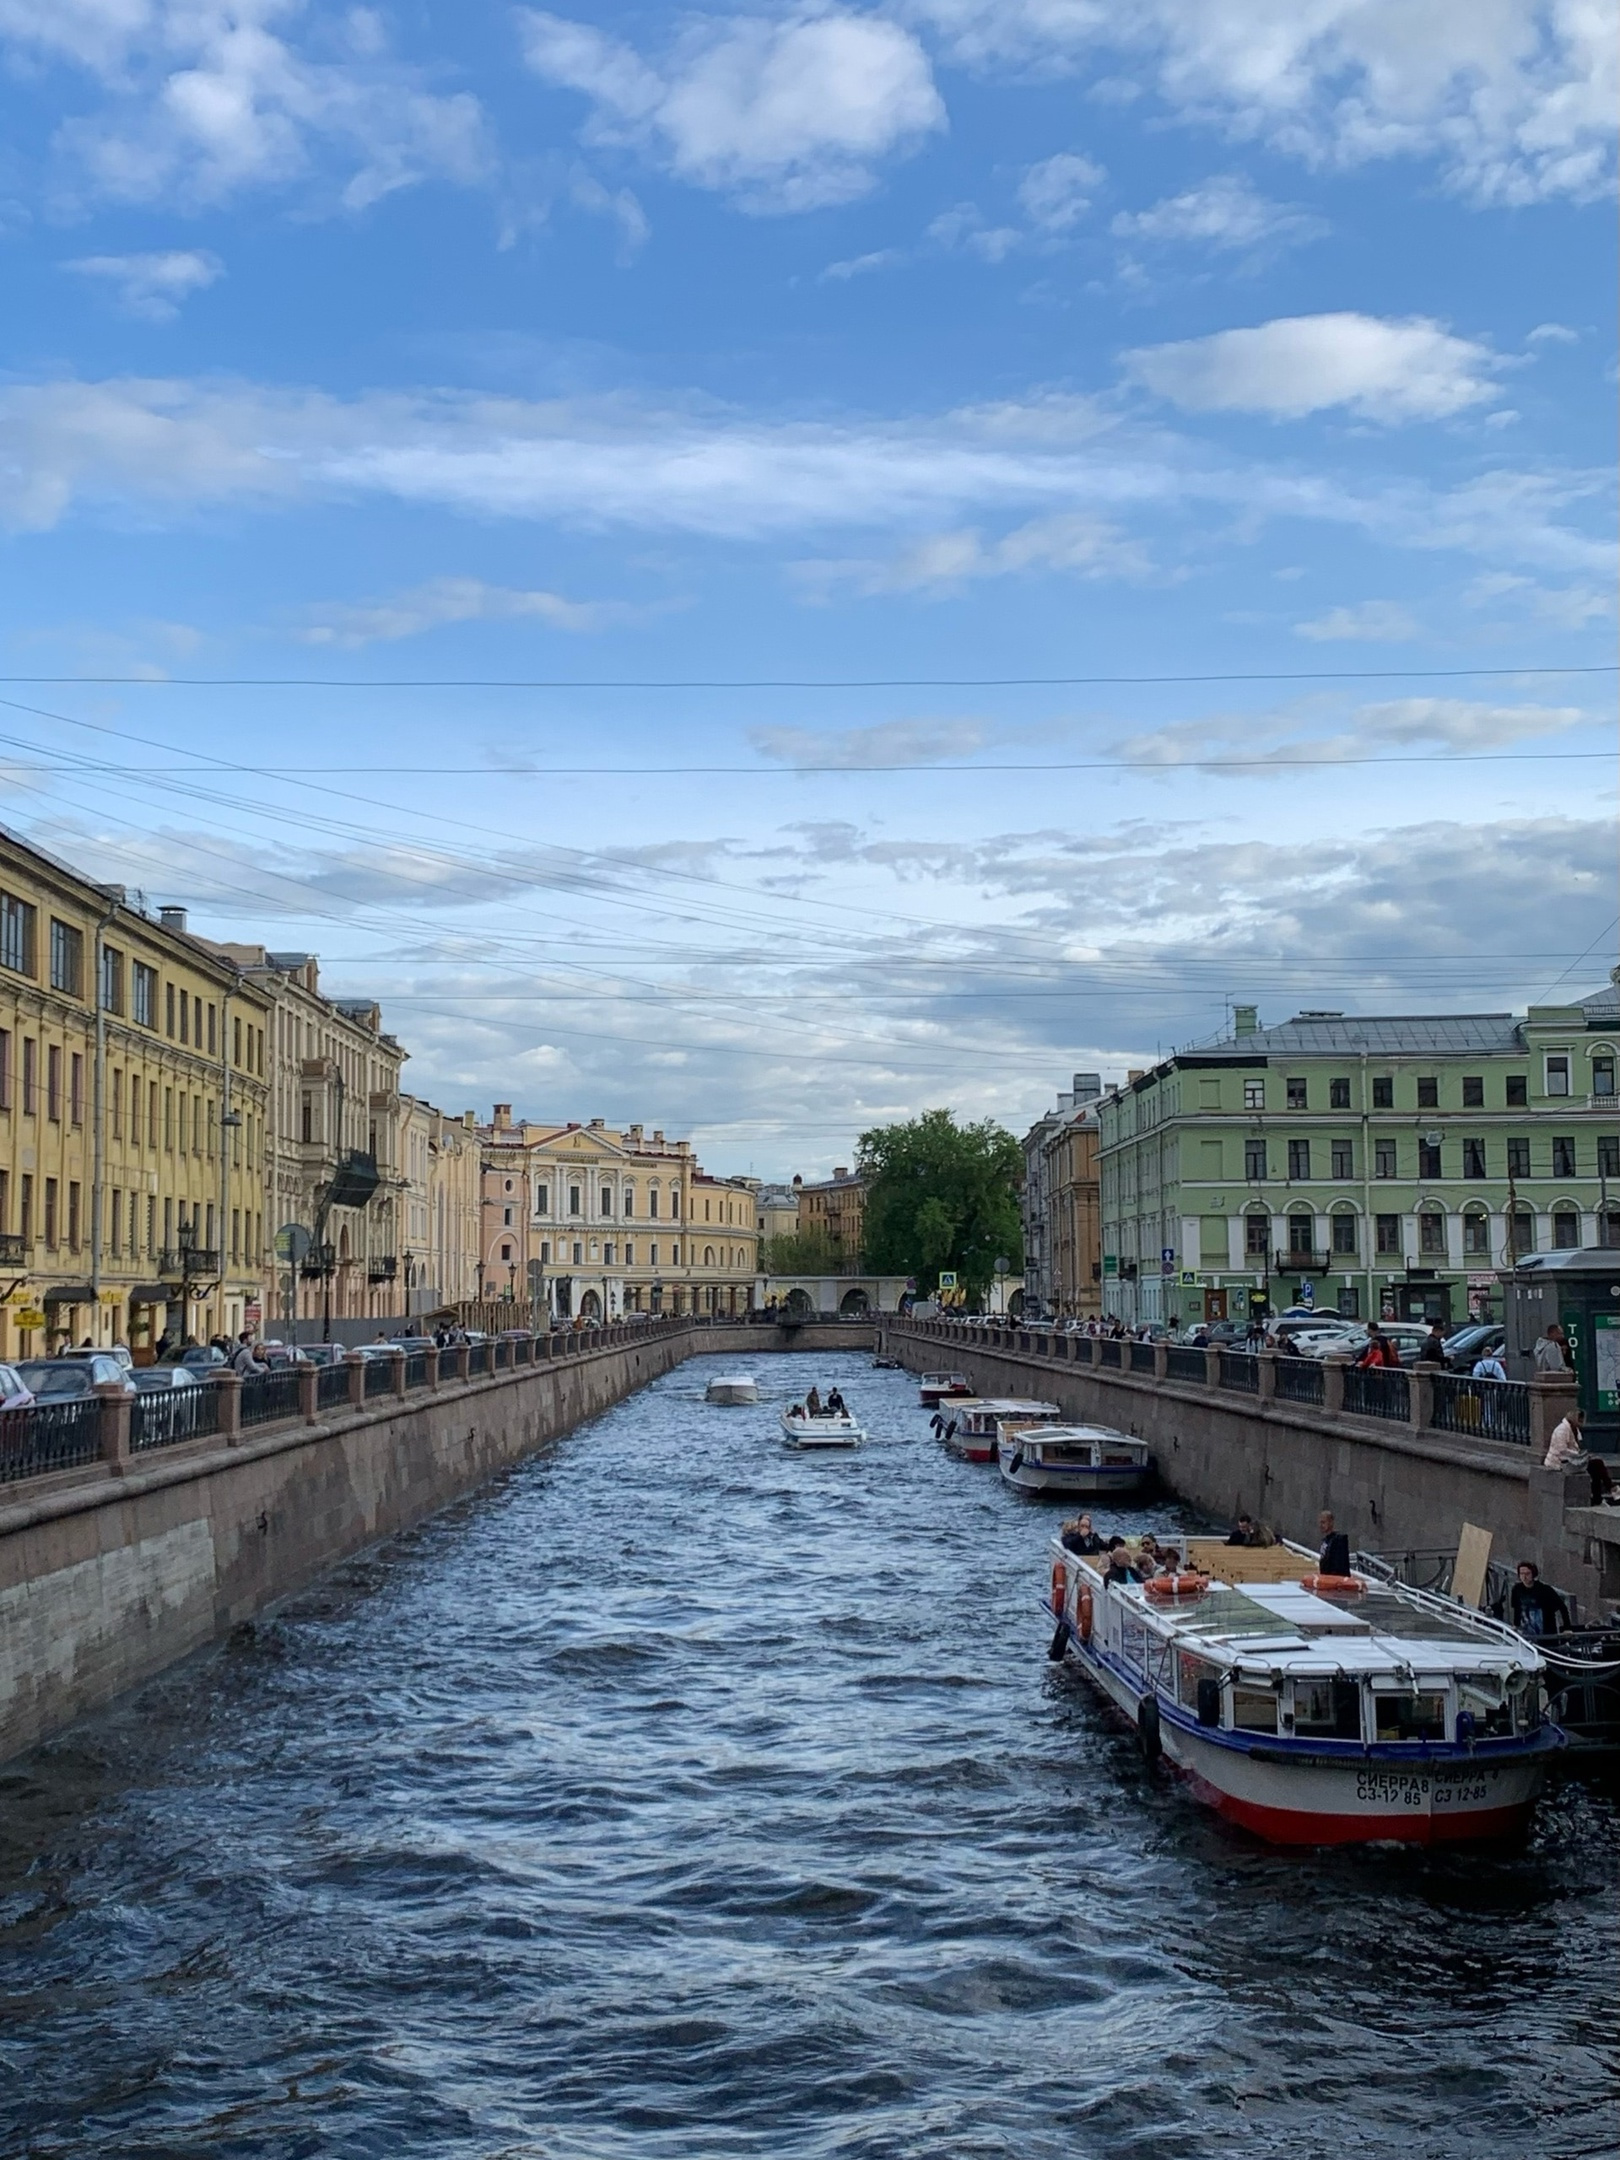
(1476, 1234)
(607, 1199)
(1521, 1231)
(629, 1207)
(1566, 1228)
(1301, 1232)
(1343, 1230)
(708, 1256)
(1432, 1232)
(1256, 1234)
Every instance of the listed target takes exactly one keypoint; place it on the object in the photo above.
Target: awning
(154, 1293)
(70, 1293)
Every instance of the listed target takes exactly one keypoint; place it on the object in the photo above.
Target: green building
(1376, 1167)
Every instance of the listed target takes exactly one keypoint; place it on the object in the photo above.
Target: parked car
(61, 1379)
(117, 1350)
(1313, 1324)
(15, 1393)
(323, 1353)
(279, 1355)
(1469, 1344)
(1408, 1336)
(163, 1379)
(202, 1357)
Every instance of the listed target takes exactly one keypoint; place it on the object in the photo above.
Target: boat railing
(1394, 1571)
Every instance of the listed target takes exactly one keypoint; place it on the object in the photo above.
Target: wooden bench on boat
(1245, 1563)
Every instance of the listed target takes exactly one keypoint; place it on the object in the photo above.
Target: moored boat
(1072, 1462)
(1316, 1710)
(732, 1389)
(969, 1427)
(933, 1387)
(826, 1429)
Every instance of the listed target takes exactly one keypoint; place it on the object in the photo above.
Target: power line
(919, 768)
(822, 682)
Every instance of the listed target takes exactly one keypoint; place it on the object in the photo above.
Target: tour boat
(827, 1430)
(968, 1427)
(731, 1389)
(1072, 1462)
(934, 1386)
(1312, 1709)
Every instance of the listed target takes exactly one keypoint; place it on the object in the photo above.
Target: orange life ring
(1344, 1585)
(1082, 1614)
(1060, 1588)
(1176, 1586)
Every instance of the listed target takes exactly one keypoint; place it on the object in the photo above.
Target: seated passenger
(1121, 1566)
(1078, 1536)
(1242, 1531)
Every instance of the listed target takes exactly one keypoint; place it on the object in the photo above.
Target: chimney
(797, 1180)
(658, 1138)
(1134, 1074)
(1245, 1019)
(1087, 1087)
(503, 1116)
(842, 1170)
(598, 1124)
(635, 1136)
(173, 918)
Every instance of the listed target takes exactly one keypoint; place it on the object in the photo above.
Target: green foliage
(941, 1196)
(802, 1252)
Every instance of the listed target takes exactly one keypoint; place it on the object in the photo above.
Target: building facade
(1381, 1166)
(132, 1119)
(441, 1162)
(595, 1222)
(776, 1212)
(333, 1169)
(1059, 1205)
(836, 1208)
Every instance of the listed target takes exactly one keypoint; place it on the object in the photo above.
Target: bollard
(357, 1377)
(1212, 1367)
(430, 1366)
(309, 1393)
(396, 1360)
(229, 1386)
(1333, 1372)
(115, 1408)
(1161, 1361)
(459, 1354)
(1267, 1375)
(1420, 1397)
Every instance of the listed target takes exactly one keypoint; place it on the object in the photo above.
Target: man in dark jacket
(1536, 1607)
(1334, 1557)
(1079, 1537)
(1433, 1349)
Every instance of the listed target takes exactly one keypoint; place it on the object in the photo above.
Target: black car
(1469, 1344)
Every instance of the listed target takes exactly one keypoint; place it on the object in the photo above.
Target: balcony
(13, 1250)
(188, 1263)
(319, 1262)
(382, 1268)
(1311, 1263)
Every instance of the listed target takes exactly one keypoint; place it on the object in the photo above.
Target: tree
(939, 1196)
(801, 1252)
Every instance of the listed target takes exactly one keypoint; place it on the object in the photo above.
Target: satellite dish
(293, 1243)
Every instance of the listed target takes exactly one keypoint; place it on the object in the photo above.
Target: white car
(15, 1393)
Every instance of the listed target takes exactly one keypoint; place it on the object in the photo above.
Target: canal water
(680, 1798)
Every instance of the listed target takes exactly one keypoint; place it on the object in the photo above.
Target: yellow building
(132, 1119)
(442, 1163)
(836, 1208)
(596, 1222)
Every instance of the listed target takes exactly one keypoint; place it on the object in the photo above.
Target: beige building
(133, 1098)
(441, 1160)
(1061, 1206)
(596, 1222)
(776, 1212)
(334, 1166)
(836, 1207)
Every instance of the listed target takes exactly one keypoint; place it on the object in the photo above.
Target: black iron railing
(1240, 1369)
(1378, 1391)
(50, 1436)
(1299, 1379)
(1184, 1362)
(1110, 1352)
(416, 1368)
(1482, 1409)
(332, 1385)
(379, 1376)
(1142, 1357)
(270, 1396)
(163, 1417)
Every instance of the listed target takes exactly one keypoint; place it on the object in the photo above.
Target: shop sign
(29, 1316)
(1110, 1263)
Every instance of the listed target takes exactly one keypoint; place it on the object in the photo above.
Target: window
(653, 1262)
(16, 935)
(1603, 1074)
(506, 1217)
(152, 1115)
(30, 1077)
(1518, 1158)
(1473, 1093)
(1256, 1236)
(1409, 1717)
(74, 1192)
(76, 1089)
(579, 1252)
(542, 1199)
(53, 1083)
(1254, 1160)
(506, 1252)
(117, 1219)
(25, 1208)
(607, 1254)
(1209, 1094)
(629, 1253)
(1563, 1164)
(573, 1199)
(1301, 1236)
(213, 1030)
(1557, 1070)
(1473, 1158)
(607, 1200)
(652, 1203)
(50, 1211)
(67, 958)
(545, 1253)
(1299, 1158)
(1344, 1159)
(185, 1017)
(1297, 1092)
(1609, 1228)
(629, 1207)
(1432, 1233)
(236, 1041)
(1383, 1158)
(143, 994)
(1521, 1232)
(675, 1205)
(196, 1023)
(1344, 1234)
(1428, 1094)
(1518, 1091)
(1476, 1235)
(1389, 1233)
(168, 1119)
(306, 1122)
(1608, 1143)
(168, 1009)
(1254, 1094)
(1428, 1158)
(5, 1068)
(112, 979)
(1338, 1094)
(1383, 1094)
(1349, 1302)
(1566, 1230)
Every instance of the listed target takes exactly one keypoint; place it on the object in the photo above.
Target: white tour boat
(731, 1389)
(1316, 1710)
(828, 1429)
(933, 1387)
(968, 1427)
(1073, 1462)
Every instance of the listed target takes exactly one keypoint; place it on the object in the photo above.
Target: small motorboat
(1072, 1462)
(935, 1386)
(731, 1389)
(827, 1429)
(971, 1428)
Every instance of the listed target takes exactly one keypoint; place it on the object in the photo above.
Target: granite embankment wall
(110, 1574)
(1392, 1488)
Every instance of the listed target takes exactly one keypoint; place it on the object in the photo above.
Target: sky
(756, 572)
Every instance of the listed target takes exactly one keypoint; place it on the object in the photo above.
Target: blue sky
(947, 359)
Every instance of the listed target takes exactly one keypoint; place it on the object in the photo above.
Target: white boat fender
(1147, 1730)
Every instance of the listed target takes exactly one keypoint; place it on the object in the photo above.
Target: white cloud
(153, 286)
(864, 265)
(1057, 193)
(203, 98)
(787, 114)
(1515, 99)
(1069, 544)
(446, 600)
(1256, 742)
(1223, 212)
(867, 749)
(1381, 370)
(1372, 622)
(1553, 333)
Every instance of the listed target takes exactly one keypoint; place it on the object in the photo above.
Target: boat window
(1419, 1716)
(1254, 1709)
(1193, 1671)
(1130, 1640)
(1327, 1709)
(1482, 1697)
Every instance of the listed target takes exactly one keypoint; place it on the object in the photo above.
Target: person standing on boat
(1537, 1608)
(1242, 1531)
(1334, 1557)
(812, 1402)
(835, 1404)
(1079, 1537)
